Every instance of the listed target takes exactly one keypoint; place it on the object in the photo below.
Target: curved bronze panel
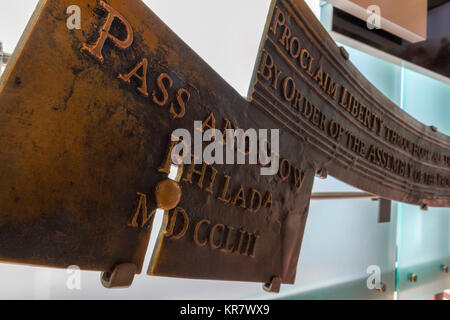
(308, 85)
(85, 121)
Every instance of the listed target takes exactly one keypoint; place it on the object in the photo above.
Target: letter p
(96, 49)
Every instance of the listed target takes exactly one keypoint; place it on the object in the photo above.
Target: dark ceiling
(435, 3)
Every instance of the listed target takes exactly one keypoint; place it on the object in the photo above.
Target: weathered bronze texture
(86, 118)
(273, 286)
(167, 194)
(384, 211)
(342, 195)
(307, 84)
(121, 277)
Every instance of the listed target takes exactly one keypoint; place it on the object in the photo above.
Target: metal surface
(342, 195)
(121, 277)
(412, 277)
(85, 124)
(358, 135)
(273, 286)
(384, 213)
(167, 194)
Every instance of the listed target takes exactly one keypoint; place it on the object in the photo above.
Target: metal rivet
(121, 277)
(167, 194)
(322, 173)
(382, 288)
(344, 53)
(412, 277)
(273, 286)
(444, 268)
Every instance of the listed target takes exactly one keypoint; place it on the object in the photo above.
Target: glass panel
(427, 100)
(342, 239)
(424, 246)
(423, 238)
(386, 76)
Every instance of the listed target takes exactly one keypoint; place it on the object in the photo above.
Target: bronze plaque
(352, 130)
(86, 118)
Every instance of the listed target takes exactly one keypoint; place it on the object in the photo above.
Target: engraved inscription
(303, 66)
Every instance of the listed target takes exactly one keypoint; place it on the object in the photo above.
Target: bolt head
(413, 277)
(167, 194)
(273, 286)
(322, 173)
(344, 53)
(382, 288)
